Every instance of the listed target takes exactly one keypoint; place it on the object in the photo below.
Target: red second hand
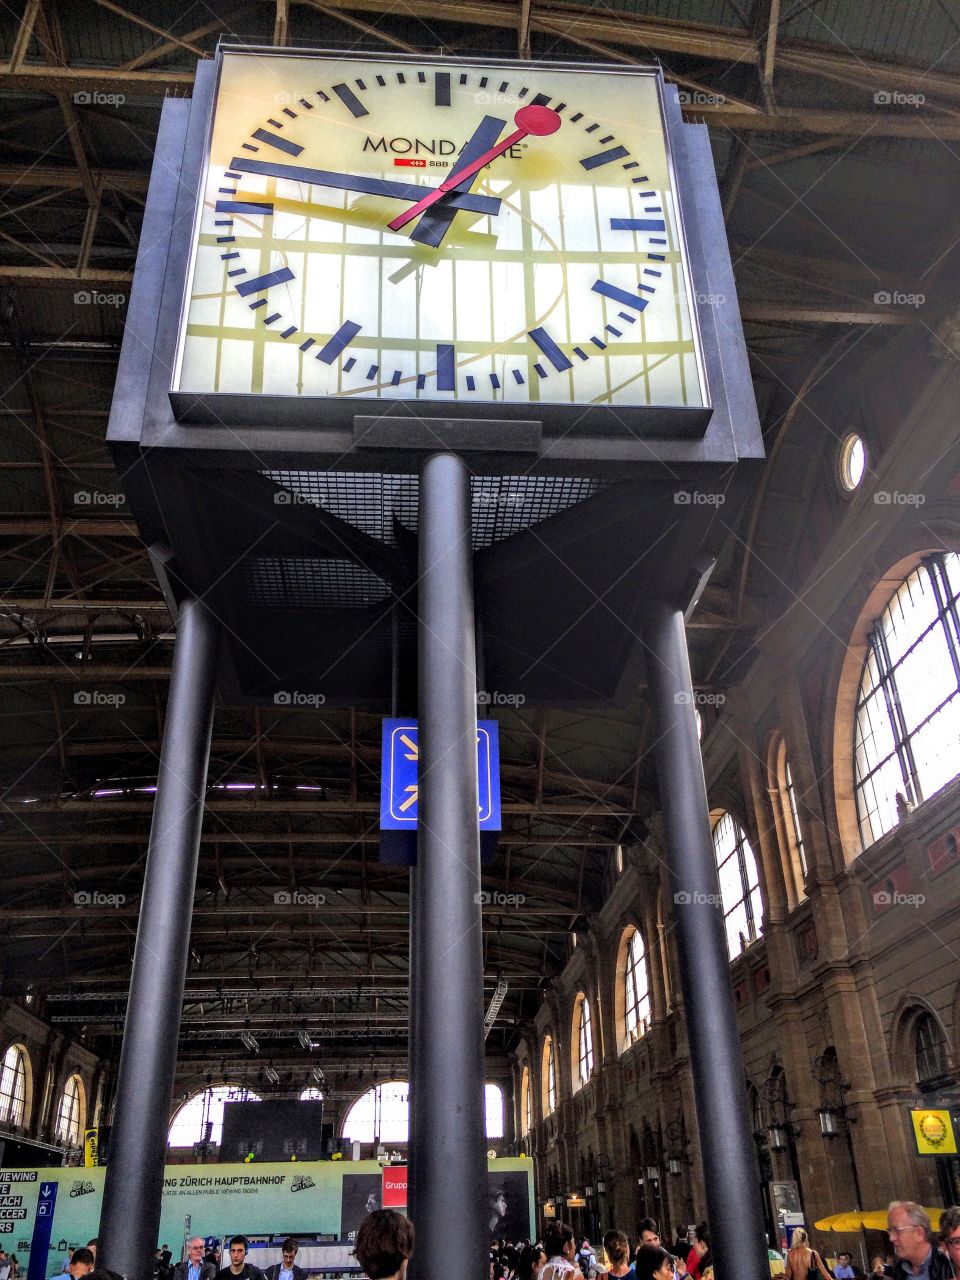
(539, 121)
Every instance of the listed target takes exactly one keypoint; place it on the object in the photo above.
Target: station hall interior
(824, 652)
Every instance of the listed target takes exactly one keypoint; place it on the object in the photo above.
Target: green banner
(306, 1197)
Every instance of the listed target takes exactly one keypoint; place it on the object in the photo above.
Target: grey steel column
(130, 1218)
(448, 1160)
(737, 1239)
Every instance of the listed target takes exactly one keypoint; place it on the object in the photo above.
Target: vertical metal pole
(130, 1217)
(737, 1239)
(448, 1162)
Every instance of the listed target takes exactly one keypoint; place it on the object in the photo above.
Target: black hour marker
(541, 100)
(446, 374)
(604, 157)
(288, 112)
(637, 224)
(280, 276)
(463, 79)
(381, 82)
(619, 295)
(401, 78)
(350, 101)
(244, 206)
(550, 350)
(287, 332)
(281, 144)
(441, 89)
(341, 339)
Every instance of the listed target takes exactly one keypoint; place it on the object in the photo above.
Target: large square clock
(462, 235)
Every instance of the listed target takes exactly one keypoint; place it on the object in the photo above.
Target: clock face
(412, 230)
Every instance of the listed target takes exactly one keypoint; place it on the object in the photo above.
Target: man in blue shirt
(193, 1267)
(287, 1269)
(843, 1270)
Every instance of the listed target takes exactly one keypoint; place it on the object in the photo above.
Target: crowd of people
(385, 1241)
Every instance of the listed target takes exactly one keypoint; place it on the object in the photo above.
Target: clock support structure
(300, 522)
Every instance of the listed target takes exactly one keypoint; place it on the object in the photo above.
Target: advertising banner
(46, 1212)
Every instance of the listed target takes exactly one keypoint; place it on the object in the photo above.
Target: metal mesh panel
(502, 505)
(300, 583)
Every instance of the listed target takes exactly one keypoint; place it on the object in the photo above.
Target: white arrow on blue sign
(400, 767)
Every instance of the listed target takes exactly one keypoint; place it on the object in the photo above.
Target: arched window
(583, 1040)
(200, 1119)
(739, 884)
(908, 701)
(931, 1047)
(548, 1078)
(13, 1085)
(69, 1119)
(382, 1114)
(787, 818)
(493, 1105)
(526, 1103)
(636, 981)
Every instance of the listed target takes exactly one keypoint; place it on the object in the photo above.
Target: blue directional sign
(399, 779)
(42, 1226)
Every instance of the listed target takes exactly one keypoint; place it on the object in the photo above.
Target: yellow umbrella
(874, 1219)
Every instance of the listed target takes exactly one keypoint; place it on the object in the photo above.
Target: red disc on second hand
(537, 120)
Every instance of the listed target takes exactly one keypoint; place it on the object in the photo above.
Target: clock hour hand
(355, 182)
(436, 222)
(530, 119)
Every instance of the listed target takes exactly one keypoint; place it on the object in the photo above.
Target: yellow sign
(576, 1202)
(403, 229)
(91, 1148)
(549, 1211)
(934, 1133)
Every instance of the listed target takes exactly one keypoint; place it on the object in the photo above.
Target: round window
(853, 461)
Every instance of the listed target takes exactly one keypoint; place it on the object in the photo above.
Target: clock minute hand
(356, 182)
(536, 120)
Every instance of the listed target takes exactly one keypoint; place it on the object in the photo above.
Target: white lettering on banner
(11, 1202)
(6, 1228)
(12, 1215)
(18, 1175)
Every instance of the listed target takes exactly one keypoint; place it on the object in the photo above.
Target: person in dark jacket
(914, 1244)
(194, 1267)
(287, 1269)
